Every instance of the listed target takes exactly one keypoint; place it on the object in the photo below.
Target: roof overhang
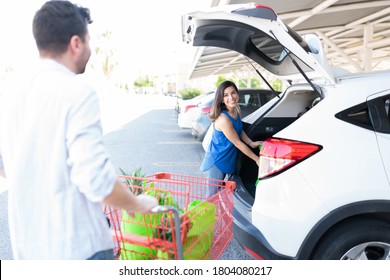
(355, 35)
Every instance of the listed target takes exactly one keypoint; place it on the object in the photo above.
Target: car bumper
(245, 232)
(252, 240)
(200, 126)
(183, 121)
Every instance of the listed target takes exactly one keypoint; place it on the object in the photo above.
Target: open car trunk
(256, 32)
(271, 119)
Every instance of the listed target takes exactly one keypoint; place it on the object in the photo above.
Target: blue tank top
(221, 152)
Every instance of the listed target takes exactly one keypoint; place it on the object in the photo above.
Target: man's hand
(121, 197)
(146, 204)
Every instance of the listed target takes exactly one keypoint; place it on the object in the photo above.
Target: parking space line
(167, 163)
(176, 130)
(180, 142)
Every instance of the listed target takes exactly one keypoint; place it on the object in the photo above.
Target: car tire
(359, 239)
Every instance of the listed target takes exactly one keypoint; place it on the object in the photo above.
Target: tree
(189, 93)
(242, 83)
(105, 54)
(144, 82)
(277, 84)
(254, 83)
(221, 79)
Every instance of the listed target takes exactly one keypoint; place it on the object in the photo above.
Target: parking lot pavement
(3, 185)
(151, 139)
(122, 116)
(119, 108)
(5, 248)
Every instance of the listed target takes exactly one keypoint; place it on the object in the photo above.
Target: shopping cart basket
(186, 224)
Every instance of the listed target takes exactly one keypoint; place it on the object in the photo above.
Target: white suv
(323, 188)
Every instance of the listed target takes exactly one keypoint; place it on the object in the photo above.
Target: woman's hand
(258, 161)
(255, 144)
(249, 142)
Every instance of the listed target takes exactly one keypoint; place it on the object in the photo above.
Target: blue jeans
(214, 173)
(103, 255)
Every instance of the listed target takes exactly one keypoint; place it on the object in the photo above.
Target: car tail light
(205, 110)
(277, 155)
(186, 108)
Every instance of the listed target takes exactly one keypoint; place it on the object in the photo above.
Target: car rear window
(268, 46)
(373, 115)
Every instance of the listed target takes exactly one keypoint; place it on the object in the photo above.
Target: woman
(228, 136)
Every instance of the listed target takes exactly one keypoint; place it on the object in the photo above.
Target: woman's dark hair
(55, 24)
(218, 104)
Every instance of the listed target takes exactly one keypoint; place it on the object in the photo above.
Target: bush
(189, 93)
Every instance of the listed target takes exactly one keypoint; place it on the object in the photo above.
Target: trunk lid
(256, 32)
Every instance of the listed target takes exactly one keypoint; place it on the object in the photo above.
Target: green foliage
(277, 85)
(144, 82)
(242, 83)
(105, 54)
(133, 181)
(221, 79)
(189, 93)
(254, 83)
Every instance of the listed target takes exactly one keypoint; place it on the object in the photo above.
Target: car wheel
(356, 240)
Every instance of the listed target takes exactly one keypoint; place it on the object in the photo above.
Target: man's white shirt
(57, 168)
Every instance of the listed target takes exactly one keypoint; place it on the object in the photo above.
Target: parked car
(249, 100)
(322, 190)
(186, 109)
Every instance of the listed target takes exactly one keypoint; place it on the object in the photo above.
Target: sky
(146, 35)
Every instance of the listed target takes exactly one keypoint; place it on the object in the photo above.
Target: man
(52, 152)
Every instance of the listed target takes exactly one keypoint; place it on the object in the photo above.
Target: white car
(322, 190)
(187, 109)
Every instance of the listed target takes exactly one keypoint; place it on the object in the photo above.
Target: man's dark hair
(55, 24)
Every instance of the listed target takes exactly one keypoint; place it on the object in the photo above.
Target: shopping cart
(186, 224)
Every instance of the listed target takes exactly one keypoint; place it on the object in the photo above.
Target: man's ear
(75, 44)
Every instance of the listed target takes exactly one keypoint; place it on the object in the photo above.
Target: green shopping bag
(143, 225)
(137, 226)
(200, 231)
(199, 238)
